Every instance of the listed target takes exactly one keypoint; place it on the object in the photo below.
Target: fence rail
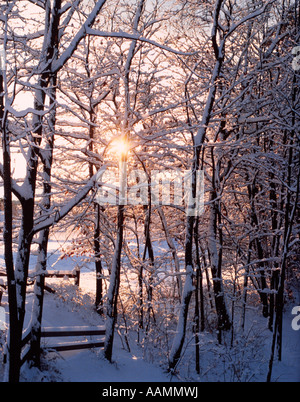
(25, 345)
(64, 274)
(49, 332)
(54, 274)
(60, 332)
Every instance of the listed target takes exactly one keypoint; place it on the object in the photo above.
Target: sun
(120, 146)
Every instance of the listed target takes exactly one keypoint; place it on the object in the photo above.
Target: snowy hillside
(70, 306)
(150, 185)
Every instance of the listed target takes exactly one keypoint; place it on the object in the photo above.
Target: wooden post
(77, 277)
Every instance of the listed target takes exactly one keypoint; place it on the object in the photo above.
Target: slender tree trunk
(46, 155)
(148, 249)
(275, 245)
(98, 263)
(245, 289)
(113, 291)
(140, 301)
(173, 250)
(197, 323)
(215, 248)
(14, 332)
(198, 143)
(97, 214)
(210, 296)
(199, 277)
(224, 323)
(178, 341)
(38, 302)
(114, 284)
(19, 274)
(290, 213)
(199, 304)
(260, 254)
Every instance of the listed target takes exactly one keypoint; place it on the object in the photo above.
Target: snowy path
(88, 365)
(289, 368)
(72, 308)
(83, 365)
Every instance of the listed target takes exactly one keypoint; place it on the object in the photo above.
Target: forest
(156, 143)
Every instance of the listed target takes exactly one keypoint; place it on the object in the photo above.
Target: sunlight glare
(120, 146)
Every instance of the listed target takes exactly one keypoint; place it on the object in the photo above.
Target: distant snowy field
(72, 307)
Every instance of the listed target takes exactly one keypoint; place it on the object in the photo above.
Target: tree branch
(63, 211)
(136, 37)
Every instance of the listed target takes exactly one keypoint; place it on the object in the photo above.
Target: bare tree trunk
(15, 330)
(114, 284)
(224, 323)
(277, 334)
(245, 286)
(199, 277)
(46, 156)
(178, 341)
(289, 218)
(173, 250)
(98, 263)
(113, 292)
(97, 217)
(199, 304)
(149, 249)
(38, 302)
(140, 301)
(290, 213)
(17, 275)
(198, 142)
(261, 266)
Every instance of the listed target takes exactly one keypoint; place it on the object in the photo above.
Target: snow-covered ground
(87, 365)
(74, 307)
(71, 306)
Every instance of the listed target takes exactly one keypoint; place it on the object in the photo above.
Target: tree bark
(113, 291)
(38, 302)
(14, 345)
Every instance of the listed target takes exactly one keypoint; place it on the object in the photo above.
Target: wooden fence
(64, 274)
(2, 286)
(62, 332)
(52, 274)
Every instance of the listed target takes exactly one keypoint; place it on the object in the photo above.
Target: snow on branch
(66, 55)
(136, 37)
(249, 17)
(16, 189)
(25, 112)
(64, 210)
(38, 3)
